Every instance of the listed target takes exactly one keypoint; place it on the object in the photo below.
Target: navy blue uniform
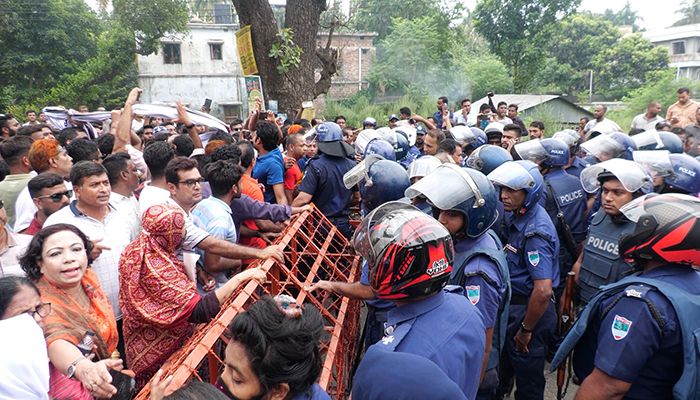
(323, 180)
(532, 251)
(635, 335)
(377, 310)
(601, 262)
(577, 166)
(444, 328)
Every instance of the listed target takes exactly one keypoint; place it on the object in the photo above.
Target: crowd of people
(482, 240)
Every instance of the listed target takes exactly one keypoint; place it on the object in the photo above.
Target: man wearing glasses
(49, 193)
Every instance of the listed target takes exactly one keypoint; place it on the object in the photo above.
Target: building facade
(683, 44)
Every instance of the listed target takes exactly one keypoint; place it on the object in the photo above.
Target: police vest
(687, 308)
(601, 260)
(458, 277)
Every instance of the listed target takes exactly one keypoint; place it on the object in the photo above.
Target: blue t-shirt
(269, 170)
(314, 393)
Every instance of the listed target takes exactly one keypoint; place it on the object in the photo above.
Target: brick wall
(356, 53)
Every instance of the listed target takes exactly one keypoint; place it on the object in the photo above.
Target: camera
(490, 94)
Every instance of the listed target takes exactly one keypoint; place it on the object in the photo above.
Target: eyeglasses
(43, 310)
(192, 182)
(2, 204)
(56, 197)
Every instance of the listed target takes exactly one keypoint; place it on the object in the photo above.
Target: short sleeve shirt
(269, 170)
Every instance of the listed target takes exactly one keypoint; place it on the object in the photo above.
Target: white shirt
(110, 234)
(9, 258)
(150, 196)
(25, 209)
(461, 119)
(24, 365)
(604, 126)
(641, 122)
(128, 215)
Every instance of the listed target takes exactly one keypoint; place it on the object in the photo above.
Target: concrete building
(356, 53)
(683, 43)
(200, 65)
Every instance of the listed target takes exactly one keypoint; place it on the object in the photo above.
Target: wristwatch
(70, 372)
(524, 327)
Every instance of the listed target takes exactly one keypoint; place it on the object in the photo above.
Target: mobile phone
(125, 384)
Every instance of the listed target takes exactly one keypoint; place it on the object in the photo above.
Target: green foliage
(661, 86)
(485, 73)
(151, 21)
(42, 42)
(626, 16)
(361, 106)
(574, 44)
(516, 31)
(287, 54)
(690, 12)
(627, 65)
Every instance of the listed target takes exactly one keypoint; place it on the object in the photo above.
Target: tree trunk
(299, 84)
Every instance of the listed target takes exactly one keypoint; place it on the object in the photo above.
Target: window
(215, 51)
(678, 47)
(171, 53)
(231, 111)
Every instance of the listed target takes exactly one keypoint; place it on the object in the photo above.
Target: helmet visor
(462, 187)
(656, 162)
(363, 139)
(531, 150)
(648, 138)
(566, 137)
(462, 134)
(423, 166)
(603, 147)
(630, 174)
(358, 173)
(667, 206)
(410, 133)
(512, 175)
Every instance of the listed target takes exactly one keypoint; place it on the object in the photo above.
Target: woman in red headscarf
(159, 302)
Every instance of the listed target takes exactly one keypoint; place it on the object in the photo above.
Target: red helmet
(408, 252)
(668, 229)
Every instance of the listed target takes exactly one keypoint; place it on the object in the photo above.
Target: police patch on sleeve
(620, 327)
(533, 257)
(473, 293)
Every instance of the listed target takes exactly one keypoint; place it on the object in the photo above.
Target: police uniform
(565, 193)
(577, 166)
(482, 271)
(634, 332)
(444, 328)
(601, 262)
(411, 156)
(324, 181)
(377, 310)
(532, 252)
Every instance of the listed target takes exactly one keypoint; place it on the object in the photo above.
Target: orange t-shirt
(251, 188)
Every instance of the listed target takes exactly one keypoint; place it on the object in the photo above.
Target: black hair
(339, 117)
(29, 111)
(106, 144)
(303, 122)
(461, 103)
(178, 164)
(298, 137)
(661, 125)
(444, 99)
(502, 103)
(4, 170)
(42, 181)
(536, 124)
(513, 127)
(437, 134)
(67, 135)
(513, 106)
(83, 150)
(184, 146)
(222, 175)
(268, 135)
(157, 155)
(115, 164)
(13, 149)
(247, 153)
(29, 261)
(5, 119)
(9, 287)
(483, 108)
(28, 130)
(635, 131)
(236, 121)
(197, 390)
(226, 152)
(405, 111)
(85, 169)
(280, 349)
(683, 90)
(221, 135)
(449, 146)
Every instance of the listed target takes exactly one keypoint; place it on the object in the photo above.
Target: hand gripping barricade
(314, 249)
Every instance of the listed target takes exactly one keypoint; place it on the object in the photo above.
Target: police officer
(619, 181)
(636, 338)
(410, 260)
(658, 140)
(379, 181)
(576, 164)
(323, 181)
(532, 252)
(413, 153)
(672, 173)
(563, 199)
(420, 168)
(608, 146)
(467, 211)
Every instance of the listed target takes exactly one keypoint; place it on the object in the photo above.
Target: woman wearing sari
(81, 324)
(159, 301)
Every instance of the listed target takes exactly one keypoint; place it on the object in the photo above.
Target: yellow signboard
(245, 51)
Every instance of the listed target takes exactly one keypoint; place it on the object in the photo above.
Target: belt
(519, 300)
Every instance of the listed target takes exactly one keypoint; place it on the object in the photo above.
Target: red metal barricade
(314, 250)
